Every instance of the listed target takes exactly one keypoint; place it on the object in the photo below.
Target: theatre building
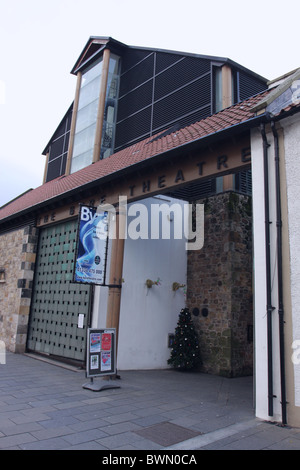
(165, 131)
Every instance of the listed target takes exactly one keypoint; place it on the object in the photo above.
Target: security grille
(243, 182)
(58, 304)
(58, 148)
(248, 86)
(159, 90)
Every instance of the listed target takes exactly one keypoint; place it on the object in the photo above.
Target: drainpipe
(279, 273)
(268, 271)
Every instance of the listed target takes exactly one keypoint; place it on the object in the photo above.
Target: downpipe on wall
(270, 308)
(279, 274)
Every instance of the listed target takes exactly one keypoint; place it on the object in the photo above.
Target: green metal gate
(58, 305)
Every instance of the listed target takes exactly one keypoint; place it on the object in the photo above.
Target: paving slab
(43, 406)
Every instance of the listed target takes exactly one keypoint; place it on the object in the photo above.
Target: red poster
(106, 342)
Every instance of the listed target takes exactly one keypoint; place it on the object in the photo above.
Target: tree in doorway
(185, 354)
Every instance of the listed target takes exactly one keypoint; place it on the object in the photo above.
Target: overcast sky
(41, 41)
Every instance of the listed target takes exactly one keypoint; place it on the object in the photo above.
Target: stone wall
(17, 259)
(219, 286)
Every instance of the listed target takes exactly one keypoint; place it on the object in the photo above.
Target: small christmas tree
(185, 352)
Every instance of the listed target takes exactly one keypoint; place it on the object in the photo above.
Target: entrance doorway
(219, 276)
(59, 308)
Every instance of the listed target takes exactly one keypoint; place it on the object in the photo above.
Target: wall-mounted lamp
(150, 283)
(176, 286)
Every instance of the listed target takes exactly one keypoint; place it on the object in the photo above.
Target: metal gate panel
(57, 302)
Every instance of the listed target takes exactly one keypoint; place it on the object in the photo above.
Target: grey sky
(41, 40)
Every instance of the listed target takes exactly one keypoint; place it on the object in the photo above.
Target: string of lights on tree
(185, 352)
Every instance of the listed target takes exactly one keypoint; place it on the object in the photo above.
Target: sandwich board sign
(101, 357)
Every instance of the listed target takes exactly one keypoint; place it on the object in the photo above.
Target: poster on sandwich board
(101, 357)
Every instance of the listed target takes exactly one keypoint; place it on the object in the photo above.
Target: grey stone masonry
(219, 286)
(17, 254)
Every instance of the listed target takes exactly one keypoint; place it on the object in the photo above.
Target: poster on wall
(101, 352)
(91, 249)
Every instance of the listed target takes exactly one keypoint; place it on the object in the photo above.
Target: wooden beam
(115, 276)
(46, 168)
(73, 123)
(227, 99)
(101, 105)
(228, 182)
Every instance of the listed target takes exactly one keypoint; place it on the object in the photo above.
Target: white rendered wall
(292, 167)
(147, 316)
(260, 293)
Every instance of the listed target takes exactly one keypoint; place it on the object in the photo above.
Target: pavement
(44, 406)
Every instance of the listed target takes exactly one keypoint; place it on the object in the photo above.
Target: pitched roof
(95, 45)
(131, 157)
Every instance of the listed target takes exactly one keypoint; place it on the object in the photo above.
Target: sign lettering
(156, 181)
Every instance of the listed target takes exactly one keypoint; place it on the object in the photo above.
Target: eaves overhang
(78, 192)
(93, 49)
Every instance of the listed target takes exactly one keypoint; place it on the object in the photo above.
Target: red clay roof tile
(133, 155)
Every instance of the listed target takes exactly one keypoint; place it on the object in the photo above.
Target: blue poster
(90, 262)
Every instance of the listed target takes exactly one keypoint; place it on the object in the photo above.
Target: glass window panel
(87, 113)
(109, 113)
(113, 64)
(107, 135)
(105, 152)
(86, 116)
(109, 124)
(92, 73)
(84, 140)
(81, 161)
(112, 86)
(218, 90)
(89, 93)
